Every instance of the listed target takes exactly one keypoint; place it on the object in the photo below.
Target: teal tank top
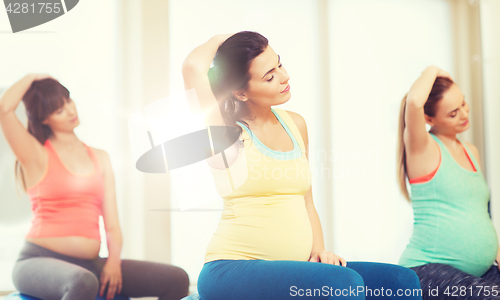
(451, 221)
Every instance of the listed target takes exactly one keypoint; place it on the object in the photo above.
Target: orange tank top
(64, 203)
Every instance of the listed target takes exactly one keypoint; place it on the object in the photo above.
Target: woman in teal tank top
(454, 243)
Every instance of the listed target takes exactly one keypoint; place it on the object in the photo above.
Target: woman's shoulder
(99, 153)
(102, 157)
(297, 118)
(299, 121)
(472, 149)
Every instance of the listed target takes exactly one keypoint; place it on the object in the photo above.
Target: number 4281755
(24, 8)
(485, 291)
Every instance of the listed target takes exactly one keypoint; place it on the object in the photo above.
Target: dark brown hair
(230, 72)
(42, 99)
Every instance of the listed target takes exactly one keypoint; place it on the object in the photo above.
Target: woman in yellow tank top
(269, 242)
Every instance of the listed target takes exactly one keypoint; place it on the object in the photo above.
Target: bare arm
(195, 73)
(318, 252)
(112, 269)
(318, 239)
(110, 210)
(416, 137)
(25, 146)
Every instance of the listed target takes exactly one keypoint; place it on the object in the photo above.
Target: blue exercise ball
(19, 296)
(192, 297)
(117, 297)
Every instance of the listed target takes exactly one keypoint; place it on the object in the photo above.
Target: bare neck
(449, 140)
(259, 117)
(65, 139)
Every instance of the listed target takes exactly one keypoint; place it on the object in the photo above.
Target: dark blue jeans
(276, 280)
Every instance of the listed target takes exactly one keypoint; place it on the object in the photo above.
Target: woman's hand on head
(327, 257)
(439, 72)
(223, 37)
(41, 76)
(443, 73)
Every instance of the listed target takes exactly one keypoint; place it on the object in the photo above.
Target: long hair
(230, 72)
(42, 99)
(440, 86)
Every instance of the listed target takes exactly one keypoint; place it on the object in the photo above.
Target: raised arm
(25, 146)
(195, 73)
(416, 137)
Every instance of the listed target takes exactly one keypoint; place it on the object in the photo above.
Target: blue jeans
(276, 280)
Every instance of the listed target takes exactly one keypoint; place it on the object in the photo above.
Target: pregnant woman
(269, 241)
(70, 185)
(454, 244)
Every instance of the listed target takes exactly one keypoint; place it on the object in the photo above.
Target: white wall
(490, 31)
(378, 49)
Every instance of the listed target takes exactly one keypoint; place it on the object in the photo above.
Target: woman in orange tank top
(70, 185)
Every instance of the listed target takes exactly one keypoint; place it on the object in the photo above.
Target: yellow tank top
(265, 216)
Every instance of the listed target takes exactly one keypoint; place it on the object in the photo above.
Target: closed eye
(272, 77)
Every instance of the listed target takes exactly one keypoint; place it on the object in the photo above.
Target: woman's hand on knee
(498, 258)
(111, 274)
(327, 257)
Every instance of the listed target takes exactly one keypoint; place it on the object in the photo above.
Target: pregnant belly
(469, 244)
(74, 246)
(480, 242)
(271, 233)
